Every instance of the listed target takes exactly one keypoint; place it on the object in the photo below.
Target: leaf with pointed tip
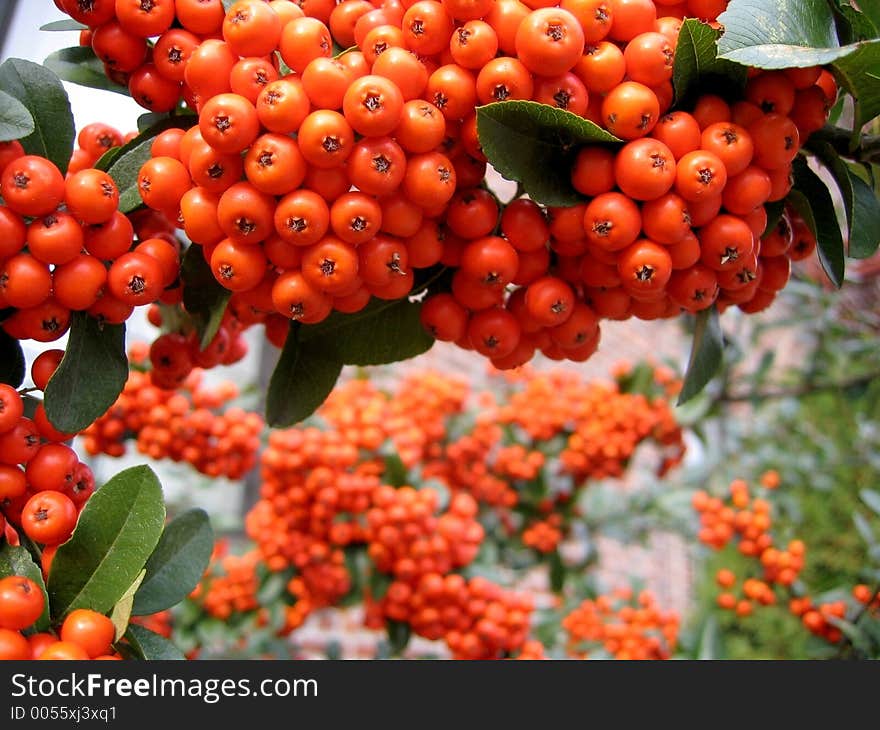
(813, 201)
(116, 532)
(696, 65)
(65, 24)
(303, 378)
(706, 357)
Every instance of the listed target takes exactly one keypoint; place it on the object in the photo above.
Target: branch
(798, 391)
(839, 138)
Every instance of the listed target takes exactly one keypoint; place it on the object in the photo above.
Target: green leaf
(535, 144)
(91, 375)
(121, 613)
(177, 564)
(116, 533)
(79, 65)
(147, 120)
(151, 646)
(125, 166)
(852, 25)
(706, 357)
(228, 4)
(817, 208)
(396, 473)
(871, 498)
(696, 63)
(66, 24)
(864, 236)
(853, 633)
(859, 74)
(272, 589)
(302, 380)
(12, 365)
(16, 560)
(379, 584)
(399, 633)
(42, 93)
(557, 572)
(780, 34)
(15, 119)
(709, 644)
(871, 10)
(382, 332)
(859, 203)
(204, 298)
(774, 210)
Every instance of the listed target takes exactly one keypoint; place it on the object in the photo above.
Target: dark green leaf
(859, 203)
(105, 160)
(177, 564)
(15, 119)
(706, 354)
(816, 199)
(852, 25)
(379, 584)
(864, 235)
(871, 10)
(535, 144)
(121, 613)
(145, 121)
(396, 473)
(42, 93)
(302, 380)
(557, 572)
(91, 374)
(125, 166)
(203, 296)
(12, 365)
(871, 498)
(780, 33)
(66, 24)
(15, 560)
(382, 332)
(398, 636)
(859, 74)
(856, 636)
(116, 533)
(79, 65)
(151, 646)
(228, 4)
(697, 66)
(774, 213)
